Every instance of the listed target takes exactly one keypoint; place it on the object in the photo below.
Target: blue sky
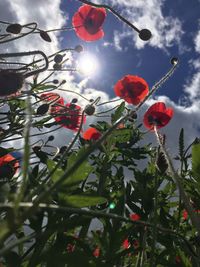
(175, 25)
(149, 62)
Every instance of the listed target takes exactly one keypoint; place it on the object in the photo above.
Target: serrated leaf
(196, 161)
(82, 171)
(118, 112)
(78, 176)
(181, 143)
(81, 201)
(121, 135)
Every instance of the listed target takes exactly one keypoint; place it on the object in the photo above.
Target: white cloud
(192, 85)
(166, 30)
(145, 14)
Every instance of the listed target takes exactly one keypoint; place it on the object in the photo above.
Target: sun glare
(87, 64)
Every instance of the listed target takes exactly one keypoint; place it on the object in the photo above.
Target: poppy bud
(58, 58)
(51, 138)
(44, 35)
(161, 163)
(57, 66)
(14, 28)
(10, 82)
(145, 34)
(89, 110)
(55, 81)
(79, 48)
(43, 109)
(174, 60)
(74, 100)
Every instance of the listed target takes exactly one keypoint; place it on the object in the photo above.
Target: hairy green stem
(177, 179)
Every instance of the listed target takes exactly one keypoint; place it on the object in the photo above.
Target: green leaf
(121, 135)
(78, 176)
(118, 112)
(81, 201)
(82, 171)
(196, 161)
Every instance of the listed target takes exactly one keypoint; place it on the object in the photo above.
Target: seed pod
(10, 82)
(58, 58)
(145, 34)
(79, 48)
(89, 110)
(43, 109)
(14, 28)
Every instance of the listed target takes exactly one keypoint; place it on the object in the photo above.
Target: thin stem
(113, 11)
(23, 34)
(26, 156)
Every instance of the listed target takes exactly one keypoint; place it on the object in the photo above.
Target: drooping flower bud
(43, 109)
(14, 28)
(58, 58)
(89, 110)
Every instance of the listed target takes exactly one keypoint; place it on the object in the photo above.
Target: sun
(88, 64)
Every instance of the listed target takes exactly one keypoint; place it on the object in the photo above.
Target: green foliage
(196, 161)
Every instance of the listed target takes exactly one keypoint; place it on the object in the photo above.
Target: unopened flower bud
(43, 109)
(58, 58)
(57, 66)
(89, 110)
(14, 28)
(79, 48)
(55, 81)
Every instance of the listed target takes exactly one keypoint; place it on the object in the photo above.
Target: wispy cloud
(166, 30)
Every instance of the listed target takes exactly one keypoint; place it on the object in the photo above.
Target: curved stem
(113, 11)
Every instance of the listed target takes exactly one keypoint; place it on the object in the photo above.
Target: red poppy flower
(185, 214)
(8, 166)
(96, 252)
(88, 22)
(132, 89)
(135, 217)
(71, 117)
(126, 244)
(70, 248)
(55, 100)
(91, 134)
(157, 115)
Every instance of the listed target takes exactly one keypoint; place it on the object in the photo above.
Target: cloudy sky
(175, 26)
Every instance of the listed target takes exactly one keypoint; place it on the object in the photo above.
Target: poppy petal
(157, 115)
(87, 22)
(132, 89)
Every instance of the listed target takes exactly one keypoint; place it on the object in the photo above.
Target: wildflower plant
(51, 197)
